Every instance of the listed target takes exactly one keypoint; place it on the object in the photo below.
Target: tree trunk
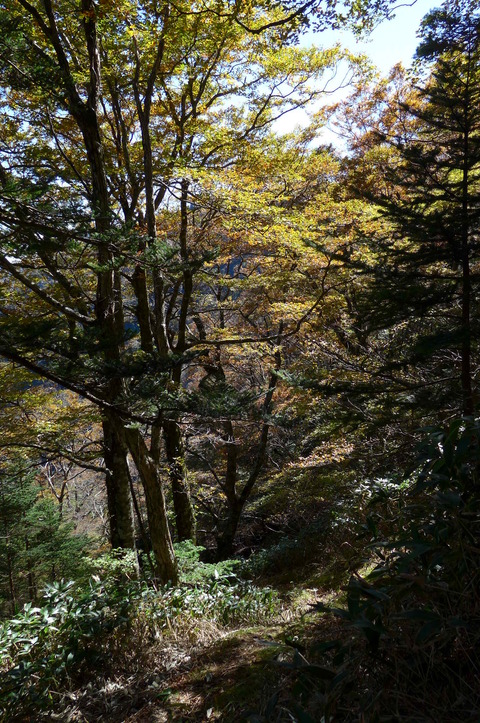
(182, 503)
(165, 563)
(236, 500)
(32, 585)
(119, 498)
(466, 351)
(228, 531)
(11, 581)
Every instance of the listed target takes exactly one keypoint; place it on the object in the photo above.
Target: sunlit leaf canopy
(216, 92)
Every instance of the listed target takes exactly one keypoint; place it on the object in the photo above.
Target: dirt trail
(229, 677)
(225, 679)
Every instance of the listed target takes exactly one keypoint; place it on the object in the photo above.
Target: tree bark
(172, 434)
(165, 563)
(226, 538)
(182, 503)
(119, 499)
(466, 352)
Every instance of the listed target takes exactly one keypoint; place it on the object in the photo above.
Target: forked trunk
(165, 563)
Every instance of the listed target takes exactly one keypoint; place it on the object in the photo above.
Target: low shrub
(291, 551)
(79, 630)
(192, 570)
(412, 650)
(42, 645)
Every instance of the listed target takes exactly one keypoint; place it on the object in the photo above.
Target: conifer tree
(425, 264)
(36, 546)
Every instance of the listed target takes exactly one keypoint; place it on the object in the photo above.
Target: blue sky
(392, 41)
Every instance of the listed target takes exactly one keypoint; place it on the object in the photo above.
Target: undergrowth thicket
(80, 627)
(411, 644)
(410, 614)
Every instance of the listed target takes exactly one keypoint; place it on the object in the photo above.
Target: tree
(451, 37)
(120, 117)
(36, 546)
(60, 435)
(420, 272)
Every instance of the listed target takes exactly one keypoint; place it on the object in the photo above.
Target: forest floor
(210, 673)
(236, 675)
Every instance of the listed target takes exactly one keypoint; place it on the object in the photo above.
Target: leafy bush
(78, 630)
(192, 570)
(221, 600)
(292, 552)
(414, 648)
(42, 645)
(115, 565)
